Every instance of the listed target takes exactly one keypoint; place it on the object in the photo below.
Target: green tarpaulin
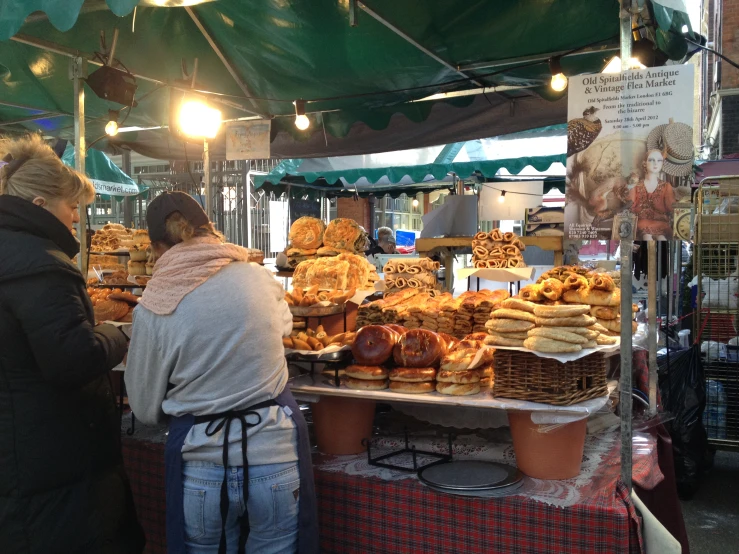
(108, 179)
(357, 80)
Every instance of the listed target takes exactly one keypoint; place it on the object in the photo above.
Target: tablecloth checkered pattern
(144, 463)
(371, 515)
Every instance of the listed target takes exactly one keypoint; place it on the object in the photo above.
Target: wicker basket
(526, 376)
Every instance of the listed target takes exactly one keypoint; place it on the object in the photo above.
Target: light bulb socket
(555, 65)
(299, 107)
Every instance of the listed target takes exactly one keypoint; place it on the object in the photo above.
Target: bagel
(373, 345)
(412, 388)
(459, 360)
(565, 310)
(461, 377)
(413, 374)
(399, 329)
(365, 384)
(458, 389)
(418, 348)
(367, 372)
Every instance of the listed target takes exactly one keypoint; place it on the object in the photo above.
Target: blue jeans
(272, 507)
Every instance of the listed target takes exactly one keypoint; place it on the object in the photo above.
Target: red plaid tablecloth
(359, 514)
(371, 515)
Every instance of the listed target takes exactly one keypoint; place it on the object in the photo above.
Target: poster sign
(304, 208)
(248, 140)
(629, 143)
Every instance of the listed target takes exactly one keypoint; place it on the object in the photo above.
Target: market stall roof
(108, 179)
(257, 57)
(411, 171)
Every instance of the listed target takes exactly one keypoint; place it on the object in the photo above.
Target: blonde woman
(207, 354)
(62, 484)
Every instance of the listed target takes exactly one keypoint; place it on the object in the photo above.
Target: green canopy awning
(108, 179)
(420, 169)
(257, 57)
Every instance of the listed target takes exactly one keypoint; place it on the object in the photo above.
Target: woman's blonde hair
(179, 229)
(41, 173)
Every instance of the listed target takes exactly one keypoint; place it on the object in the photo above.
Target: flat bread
(500, 340)
(523, 335)
(518, 304)
(613, 325)
(510, 325)
(507, 313)
(605, 339)
(565, 310)
(577, 321)
(543, 344)
(590, 344)
(598, 327)
(557, 333)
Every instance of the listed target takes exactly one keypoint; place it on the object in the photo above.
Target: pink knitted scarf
(185, 267)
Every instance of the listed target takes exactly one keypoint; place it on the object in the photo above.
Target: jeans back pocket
(194, 505)
(286, 505)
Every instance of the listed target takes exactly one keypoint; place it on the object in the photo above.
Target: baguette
(301, 345)
(518, 304)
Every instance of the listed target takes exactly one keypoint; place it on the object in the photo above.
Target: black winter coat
(62, 484)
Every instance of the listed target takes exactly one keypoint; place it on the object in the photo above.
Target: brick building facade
(722, 80)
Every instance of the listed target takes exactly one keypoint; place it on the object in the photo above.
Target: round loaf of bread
(457, 389)
(365, 384)
(367, 372)
(418, 348)
(413, 374)
(373, 344)
(412, 388)
(458, 376)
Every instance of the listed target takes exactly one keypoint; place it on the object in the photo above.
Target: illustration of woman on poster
(652, 199)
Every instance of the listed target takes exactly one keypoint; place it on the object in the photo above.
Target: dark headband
(13, 164)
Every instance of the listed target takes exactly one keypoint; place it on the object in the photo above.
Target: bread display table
(589, 514)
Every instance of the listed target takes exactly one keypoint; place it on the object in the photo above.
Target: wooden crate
(524, 376)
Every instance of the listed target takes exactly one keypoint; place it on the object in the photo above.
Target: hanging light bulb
(415, 202)
(559, 81)
(199, 120)
(111, 129)
(501, 198)
(301, 120)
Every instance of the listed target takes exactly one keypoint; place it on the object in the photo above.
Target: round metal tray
(338, 356)
(317, 311)
(470, 476)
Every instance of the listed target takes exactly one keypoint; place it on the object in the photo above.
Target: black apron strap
(222, 421)
(308, 535)
(179, 427)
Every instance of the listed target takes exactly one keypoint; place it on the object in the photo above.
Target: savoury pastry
(551, 289)
(604, 312)
(531, 293)
(594, 297)
(307, 233)
(602, 281)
